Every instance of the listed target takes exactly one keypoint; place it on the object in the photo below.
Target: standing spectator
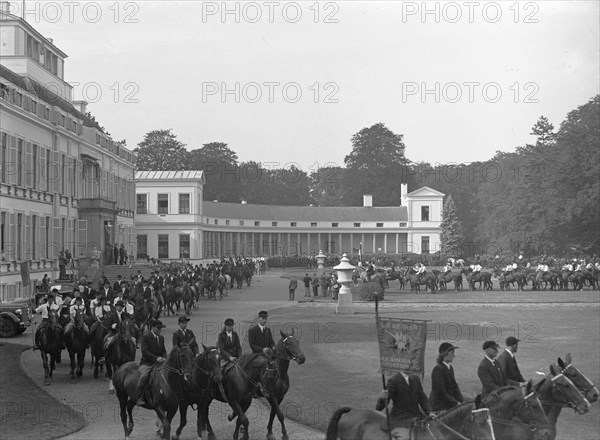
(115, 254)
(323, 283)
(292, 287)
(45, 283)
(306, 280)
(507, 361)
(445, 393)
(315, 285)
(61, 265)
(121, 254)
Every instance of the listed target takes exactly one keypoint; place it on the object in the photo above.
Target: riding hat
(490, 344)
(511, 340)
(183, 319)
(229, 322)
(120, 303)
(157, 323)
(263, 314)
(445, 347)
(50, 297)
(55, 290)
(78, 297)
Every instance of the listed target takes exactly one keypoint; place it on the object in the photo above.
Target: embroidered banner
(402, 345)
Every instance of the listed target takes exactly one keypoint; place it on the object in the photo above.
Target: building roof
(304, 213)
(170, 175)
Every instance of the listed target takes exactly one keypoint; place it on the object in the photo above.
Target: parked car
(15, 317)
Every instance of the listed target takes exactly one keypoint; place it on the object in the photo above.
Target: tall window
(48, 169)
(424, 213)
(33, 237)
(163, 246)
(3, 156)
(142, 204)
(48, 254)
(142, 246)
(184, 246)
(35, 166)
(63, 178)
(184, 203)
(424, 245)
(2, 230)
(20, 162)
(163, 204)
(19, 242)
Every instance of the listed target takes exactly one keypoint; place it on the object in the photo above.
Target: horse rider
(147, 293)
(100, 311)
(490, 374)
(153, 351)
(507, 361)
(76, 308)
(410, 402)
(129, 306)
(228, 342)
(112, 322)
(579, 266)
(185, 335)
(476, 268)
(445, 393)
(370, 272)
(510, 268)
(44, 310)
(568, 267)
(542, 269)
(447, 268)
(260, 337)
(420, 270)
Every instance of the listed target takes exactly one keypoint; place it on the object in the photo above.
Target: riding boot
(140, 394)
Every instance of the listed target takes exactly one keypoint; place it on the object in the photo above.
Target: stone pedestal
(321, 260)
(344, 271)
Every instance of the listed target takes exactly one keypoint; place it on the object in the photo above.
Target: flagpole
(387, 400)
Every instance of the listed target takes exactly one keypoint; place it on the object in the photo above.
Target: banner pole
(387, 400)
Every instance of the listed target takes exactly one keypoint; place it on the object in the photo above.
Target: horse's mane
(247, 359)
(492, 399)
(459, 412)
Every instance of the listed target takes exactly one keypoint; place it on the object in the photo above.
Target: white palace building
(173, 222)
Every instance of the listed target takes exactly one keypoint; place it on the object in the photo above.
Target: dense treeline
(539, 199)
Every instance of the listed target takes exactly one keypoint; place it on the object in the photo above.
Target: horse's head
(288, 348)
(209, 362)
(566, 393)
(181, 359)
(582, 383)
(79, 318)
(480, 421)
(529, 409)
(53, 316)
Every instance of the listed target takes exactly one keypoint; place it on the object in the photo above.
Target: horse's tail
(332, 429)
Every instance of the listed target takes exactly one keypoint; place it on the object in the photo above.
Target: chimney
(403, 192)
(244, 202)
(367, 200)
(81, 106)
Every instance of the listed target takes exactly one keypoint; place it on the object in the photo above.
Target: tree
(326, 186)
(452, 233)
(373, 166)
(160, 150)
(220, 166)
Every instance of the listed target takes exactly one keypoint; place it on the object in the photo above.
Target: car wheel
(8, 328)
(21, 330)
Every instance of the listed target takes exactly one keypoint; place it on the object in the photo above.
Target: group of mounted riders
(542, 274)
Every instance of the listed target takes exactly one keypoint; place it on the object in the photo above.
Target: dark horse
(163, 391)
(76, 342)
(97, 333)
(241, 381)
(483, 278)
(121, 350)
(187, 298)
(145, 311)
(50, 342)
(468, 420)
(205, 372)
(583, 384)
(416, 281)
(456, 278)
(287, 349)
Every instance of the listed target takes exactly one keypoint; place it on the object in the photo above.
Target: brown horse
(583, 384)
(97, 333)
(50, 342)
(76, 342)
(121, 350)
(467, 420)
(163, 391)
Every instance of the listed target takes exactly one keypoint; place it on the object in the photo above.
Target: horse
(121, 350)
(287, 349)
(416, 281)
(205, 371)
(248, 271)
(512, 411)
(506, 280)
(164, 388)
(187, 298)
(97, 333)
(76, 342)
(50, 342)
(252, 373)
(583, 384)
(144, 313)
(392, 275)
(483, 278)
(448, 277)
(172, 298)
(468, 420)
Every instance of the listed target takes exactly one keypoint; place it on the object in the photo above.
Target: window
(424, 213)
(142, 246)
(241, 222)
(98, 138)
(35, 166)
(380, 225)
(62, 120)
(33, 242)
(3, 157)
(184, 246)
(19, 236)
(424, 245)
(335, 225)
(33, 108)
(226, 222)
(402, 225)
(357, 225)
(274, 224)
(313, 224)
(184, 203)
(256, 223)
(293, 224)
(2, 230)
(47, 114)
(163, 246)
(19, 99)
(216, 222)
(142, 203)
(20, 162)
(163, 205)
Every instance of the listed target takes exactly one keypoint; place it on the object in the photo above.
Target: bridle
(526, 405)
(286, 353)
(590, 384)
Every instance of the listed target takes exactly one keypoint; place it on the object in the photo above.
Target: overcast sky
(362, 62)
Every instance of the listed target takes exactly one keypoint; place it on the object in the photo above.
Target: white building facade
(174, 223)
(64, 183)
